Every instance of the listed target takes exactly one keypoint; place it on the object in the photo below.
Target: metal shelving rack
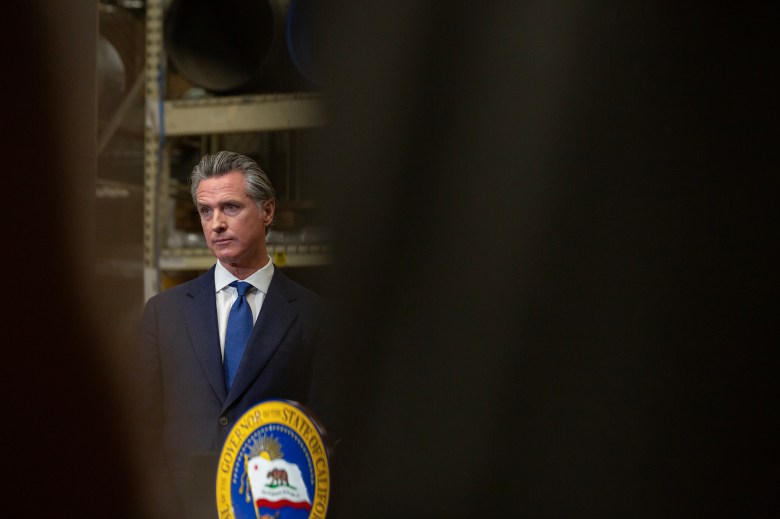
(181, 117)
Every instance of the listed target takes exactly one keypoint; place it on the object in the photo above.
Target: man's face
(233, 225)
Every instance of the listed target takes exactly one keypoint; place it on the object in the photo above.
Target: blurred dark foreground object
(553, 253)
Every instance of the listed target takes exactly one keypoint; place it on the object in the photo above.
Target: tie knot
(242, 287)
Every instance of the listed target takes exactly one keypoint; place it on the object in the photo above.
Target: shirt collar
(260, 279)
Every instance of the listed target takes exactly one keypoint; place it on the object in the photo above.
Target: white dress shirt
(227, 295)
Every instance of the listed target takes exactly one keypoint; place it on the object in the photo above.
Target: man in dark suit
(188, 402)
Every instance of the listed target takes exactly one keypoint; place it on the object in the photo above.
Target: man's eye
(231, 209)
(205, 211)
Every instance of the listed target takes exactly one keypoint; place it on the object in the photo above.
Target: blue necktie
(239, 326)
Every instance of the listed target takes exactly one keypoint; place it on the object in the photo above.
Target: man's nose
(218, 222)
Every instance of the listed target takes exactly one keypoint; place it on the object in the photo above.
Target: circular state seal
(274, 465)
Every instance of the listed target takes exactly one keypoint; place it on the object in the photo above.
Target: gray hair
(258, 187)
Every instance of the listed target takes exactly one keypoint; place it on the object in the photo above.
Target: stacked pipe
(242, 46)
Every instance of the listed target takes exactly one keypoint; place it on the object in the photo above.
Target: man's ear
(269, 208)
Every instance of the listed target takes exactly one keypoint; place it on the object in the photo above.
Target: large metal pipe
(304, 38)
(231, 46)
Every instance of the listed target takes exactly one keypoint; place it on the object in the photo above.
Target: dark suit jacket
(186, 412)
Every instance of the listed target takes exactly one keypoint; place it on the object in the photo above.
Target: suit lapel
(200, 314)
(275, 318)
